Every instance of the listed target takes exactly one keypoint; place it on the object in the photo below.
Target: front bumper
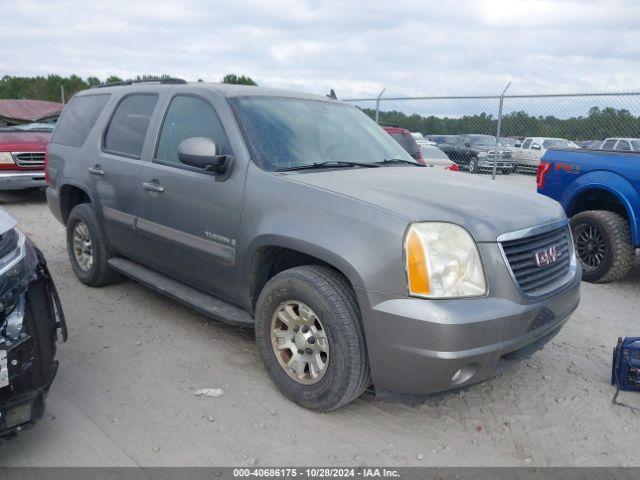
(31, 317)
(502, 164)
(419, 346)
(19, 180)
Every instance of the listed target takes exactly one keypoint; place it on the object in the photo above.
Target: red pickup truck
(22, 152)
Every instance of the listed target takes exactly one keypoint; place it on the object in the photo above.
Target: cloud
(410, 47)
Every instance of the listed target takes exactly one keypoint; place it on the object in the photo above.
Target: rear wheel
(310, 337)
(87, 247)
(603, 245)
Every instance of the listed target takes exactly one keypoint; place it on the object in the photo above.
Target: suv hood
(485, 208)
(24, 141)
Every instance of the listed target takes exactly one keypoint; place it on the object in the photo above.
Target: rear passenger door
(189, 219)
(116, 170)
(457, 152)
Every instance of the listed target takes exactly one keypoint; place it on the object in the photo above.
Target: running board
(202, 302)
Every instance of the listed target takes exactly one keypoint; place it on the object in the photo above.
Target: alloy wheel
(590, 246)
(299, 342)
(82, 246)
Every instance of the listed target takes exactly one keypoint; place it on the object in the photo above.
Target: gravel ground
(124, 394)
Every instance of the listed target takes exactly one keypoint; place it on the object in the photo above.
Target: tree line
(597, 124)
(53, 87)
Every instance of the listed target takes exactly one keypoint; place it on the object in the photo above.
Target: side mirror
(201, 152)
(467, 144)
(518, 145)
(535, 146)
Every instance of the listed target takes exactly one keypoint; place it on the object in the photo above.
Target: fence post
(378, 105)
(496, 155)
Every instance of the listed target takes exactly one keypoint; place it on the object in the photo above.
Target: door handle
(96, 170)
(153, 186)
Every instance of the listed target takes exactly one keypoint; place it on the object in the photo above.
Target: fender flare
(612, 183)
(273, 240)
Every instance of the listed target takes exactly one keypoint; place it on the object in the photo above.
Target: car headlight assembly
(12, 250)
(6, 158)
(442, 261)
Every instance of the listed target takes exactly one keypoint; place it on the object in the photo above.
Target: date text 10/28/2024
(318, 472)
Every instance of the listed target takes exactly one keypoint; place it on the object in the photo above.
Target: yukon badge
(547, 256)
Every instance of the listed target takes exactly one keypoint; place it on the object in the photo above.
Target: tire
(473, 165)
(608, 233)
(98, 273)
(331, 298)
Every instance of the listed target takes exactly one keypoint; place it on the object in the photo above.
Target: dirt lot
(125, 391)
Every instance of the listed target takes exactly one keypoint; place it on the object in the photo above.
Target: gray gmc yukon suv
(299, 215)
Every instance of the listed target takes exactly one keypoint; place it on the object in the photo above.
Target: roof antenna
(332, 94)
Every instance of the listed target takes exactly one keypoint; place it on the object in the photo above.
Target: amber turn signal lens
(417, 274)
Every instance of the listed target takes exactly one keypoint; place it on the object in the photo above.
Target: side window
(623, 145)
(128, 127)
(527, 143)
(78, 119)
(608, 145)
(187, 117)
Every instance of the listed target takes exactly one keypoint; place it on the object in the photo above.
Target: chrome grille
(534, 280)
(29, 159)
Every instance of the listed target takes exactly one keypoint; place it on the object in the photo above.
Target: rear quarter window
(128, 126)
(78, 119)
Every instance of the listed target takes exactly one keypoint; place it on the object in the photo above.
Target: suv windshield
(558, 143)
(483, 140)
(289, 132)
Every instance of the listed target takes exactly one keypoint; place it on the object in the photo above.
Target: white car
(622, 144)
(434, 156)
(528, 156)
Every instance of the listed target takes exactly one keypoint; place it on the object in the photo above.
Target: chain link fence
(503, 136)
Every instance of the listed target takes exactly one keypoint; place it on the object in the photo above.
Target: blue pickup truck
(600, 192)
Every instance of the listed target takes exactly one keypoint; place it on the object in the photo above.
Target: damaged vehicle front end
(30, 318)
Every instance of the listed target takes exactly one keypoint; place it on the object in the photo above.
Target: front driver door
(189, 219)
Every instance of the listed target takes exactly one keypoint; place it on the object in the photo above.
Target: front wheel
(310, 337)
(603, 245)
(473, 165)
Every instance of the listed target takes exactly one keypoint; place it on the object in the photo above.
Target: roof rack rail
(163, 81)
(387, 124)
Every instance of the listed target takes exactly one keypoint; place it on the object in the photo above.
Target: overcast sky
(408, 47)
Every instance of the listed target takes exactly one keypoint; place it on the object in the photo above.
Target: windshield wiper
(388, 161)
(329, 164)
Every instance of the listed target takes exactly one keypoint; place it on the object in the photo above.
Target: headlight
(12, 250)
(6, 158)
(482, 154)
(442, 261)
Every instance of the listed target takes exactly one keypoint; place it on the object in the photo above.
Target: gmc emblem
(546, 257)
